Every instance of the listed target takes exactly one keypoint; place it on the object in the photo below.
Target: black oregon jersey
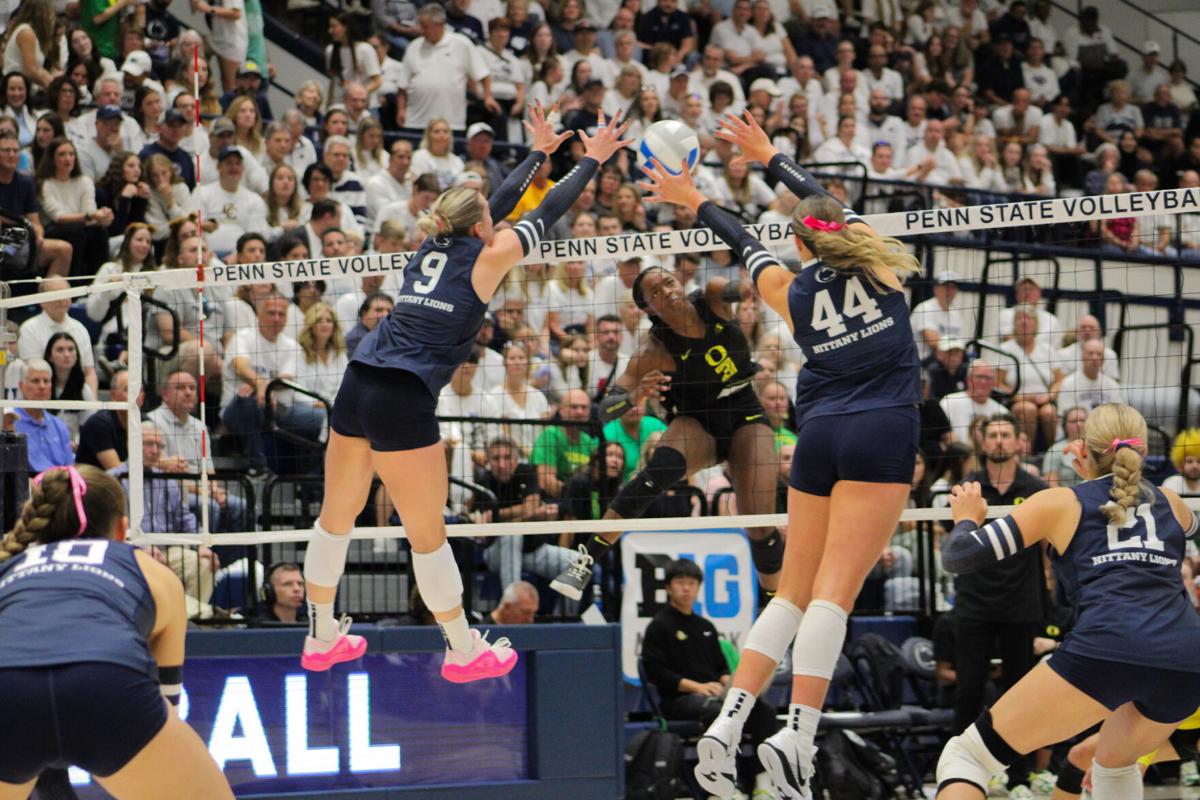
(437, 314)
(74, 601)
(710, 368)
(857, 344)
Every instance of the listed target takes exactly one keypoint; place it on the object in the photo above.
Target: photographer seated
(683, 658)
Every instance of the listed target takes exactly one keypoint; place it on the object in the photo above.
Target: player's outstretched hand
(1079, 457)
(655, 384)
(752, 140)
(967, 503)
(607, 140)
(666, 187)
(541, 131)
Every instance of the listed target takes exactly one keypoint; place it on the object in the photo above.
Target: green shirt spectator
(561, 451)
(783, 436)
(102, 20)
(619, 430)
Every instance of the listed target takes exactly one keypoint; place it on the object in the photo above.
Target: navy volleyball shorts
(1161, 695)
(390, 408)
(93, 715)
(877, 446)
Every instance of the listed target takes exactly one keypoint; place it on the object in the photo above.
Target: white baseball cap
(137, 63)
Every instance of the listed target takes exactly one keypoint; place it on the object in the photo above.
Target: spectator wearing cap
(1028, 292)
(480, 137)
(250, 83)
(136, 71)
(667, 23)
(509, 81)
(682, 654)
(227, 208)
(1148, 75)
(106, 91)
(1001, 75)
(97, 152)
(436, 68)
(171, 132)
(947, 373)
(710, 70)
(937, 318)
(820, 40)
(221, 137)
(764, 93)
(878, 75)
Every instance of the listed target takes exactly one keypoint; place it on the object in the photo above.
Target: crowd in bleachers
(102, 157)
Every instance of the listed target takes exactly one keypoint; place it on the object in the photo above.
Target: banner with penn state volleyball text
(728, 595)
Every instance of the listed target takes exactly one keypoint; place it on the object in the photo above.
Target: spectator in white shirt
(228, 209)
(831, 106)
(98, 150)
(1037, 376)
(348, 59)
(937, 318)
(1040, 78)
(35, 332)
(881, 169)
(1185, 455)
(437, 67)
(1088, 386)
(1028, 292)
(709, 71)
(914, 124)
(1040, 27)
(880, 126)
(425, 190)
(975, 401)
(220, 137)
(845, 146)
(740, 41)
(1149, 75)
(1057, 134)
(1019, 121)
(946, 170)
(878, 75)
(1088, 329)
(394, 184)
(845, 55)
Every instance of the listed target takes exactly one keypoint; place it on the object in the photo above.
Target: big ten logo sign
(727, 595)
(720, 594)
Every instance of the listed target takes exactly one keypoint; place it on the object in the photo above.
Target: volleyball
(671, 144)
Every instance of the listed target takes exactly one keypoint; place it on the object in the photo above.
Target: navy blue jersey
(74, 601)
(437, 314)
(1125, 585)
(857, 344)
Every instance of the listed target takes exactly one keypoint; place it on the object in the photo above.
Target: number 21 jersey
(857, 344)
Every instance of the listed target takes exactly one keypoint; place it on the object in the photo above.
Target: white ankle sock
(804, 720)
(737, 706)
(321, 624)
(457, 633)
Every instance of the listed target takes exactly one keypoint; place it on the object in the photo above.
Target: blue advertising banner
(390, 720)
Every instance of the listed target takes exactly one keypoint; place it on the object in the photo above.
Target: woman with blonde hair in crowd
(169, 195)
(518, 399)
(310, 98)
(370, 157)
(1038, 172)
(68, 204)
(30, 45)
(323, 359)
(743, 192)
(210, 104)
(436, 154)
(247, 124)
(981, 165)
(284, 204)
(109, 308)
(630, 209)
(570, 301)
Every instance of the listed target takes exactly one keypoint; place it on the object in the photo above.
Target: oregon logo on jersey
(718, 358)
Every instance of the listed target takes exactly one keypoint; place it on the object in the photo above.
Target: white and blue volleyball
(670, 143)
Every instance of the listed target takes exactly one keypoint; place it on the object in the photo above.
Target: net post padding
(133, 429)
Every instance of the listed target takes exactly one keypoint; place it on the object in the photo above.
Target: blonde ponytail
(453, 213)
(850, 250)
(1115, 434)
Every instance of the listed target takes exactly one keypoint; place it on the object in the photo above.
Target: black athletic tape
(767, 553)
(170, 683)
(1070, 778)
(744, 246)
(506, 196)
(1001, 750)
(615, 404)
(170, 674)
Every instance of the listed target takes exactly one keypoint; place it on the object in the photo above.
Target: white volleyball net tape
(1156, 352)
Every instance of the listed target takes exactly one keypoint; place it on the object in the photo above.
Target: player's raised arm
(770, 277)
(756, 147)
(544, 143)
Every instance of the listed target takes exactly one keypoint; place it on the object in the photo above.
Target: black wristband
(745, 247)
(506, 196)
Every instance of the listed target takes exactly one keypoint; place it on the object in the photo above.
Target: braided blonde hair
(1108, 423)
(50, 516)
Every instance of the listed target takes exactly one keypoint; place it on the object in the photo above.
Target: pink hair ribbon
(1117, 444)
(78, 490)
(822, 225)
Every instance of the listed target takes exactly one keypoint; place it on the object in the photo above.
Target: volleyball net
(239, 364)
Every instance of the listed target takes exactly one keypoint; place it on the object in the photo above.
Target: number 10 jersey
(857, 344)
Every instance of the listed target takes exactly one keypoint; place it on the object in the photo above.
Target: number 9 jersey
(857, 344)
(437, 314)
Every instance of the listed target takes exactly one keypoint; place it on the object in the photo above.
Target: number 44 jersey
(437, 314)
(857, 344)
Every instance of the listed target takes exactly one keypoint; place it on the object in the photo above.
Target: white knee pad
(325, 557)
(819, 640)
(966, 759)
(438, 578)
(774, 629)
(1116, 783)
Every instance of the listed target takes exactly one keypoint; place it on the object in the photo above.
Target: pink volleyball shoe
(318, 655)
(486, 660)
